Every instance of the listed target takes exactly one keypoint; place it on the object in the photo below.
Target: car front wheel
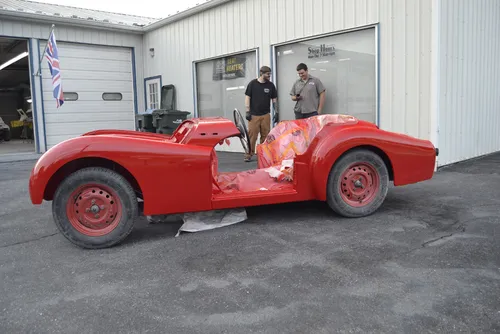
(357, 184)
(95, 208)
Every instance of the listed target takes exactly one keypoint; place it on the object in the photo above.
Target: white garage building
(426, 68)
(101, 61)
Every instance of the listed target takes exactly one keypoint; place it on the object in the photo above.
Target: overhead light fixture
(13, 60)
(29, 100)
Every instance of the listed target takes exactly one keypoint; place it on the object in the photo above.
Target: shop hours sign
(229, 68)
(320, 51)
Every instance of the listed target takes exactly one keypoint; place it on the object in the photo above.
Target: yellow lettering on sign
(234, 68)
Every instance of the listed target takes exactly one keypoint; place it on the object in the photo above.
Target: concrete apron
(15, 157)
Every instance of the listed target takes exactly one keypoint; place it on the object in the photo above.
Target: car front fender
(166, 173)
(60, 155)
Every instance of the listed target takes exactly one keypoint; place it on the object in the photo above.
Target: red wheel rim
(94, 210)
(359, 184)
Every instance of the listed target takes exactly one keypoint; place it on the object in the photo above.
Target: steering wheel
(240, 124)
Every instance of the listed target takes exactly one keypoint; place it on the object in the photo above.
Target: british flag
(52, 55)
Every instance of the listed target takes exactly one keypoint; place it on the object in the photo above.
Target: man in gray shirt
(309, 93)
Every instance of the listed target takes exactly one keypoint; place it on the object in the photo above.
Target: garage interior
(16, 123)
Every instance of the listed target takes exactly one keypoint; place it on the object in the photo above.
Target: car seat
(291, 138)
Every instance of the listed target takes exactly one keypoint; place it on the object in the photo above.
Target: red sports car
(98, 181)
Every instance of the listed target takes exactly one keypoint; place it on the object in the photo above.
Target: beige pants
(258, 125)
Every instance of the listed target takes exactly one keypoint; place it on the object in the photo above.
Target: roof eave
(185, 14)
(52, 19)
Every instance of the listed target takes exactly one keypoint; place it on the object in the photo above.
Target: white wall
(106, 69)
(405, 46)
(34, 30)
(469, 86)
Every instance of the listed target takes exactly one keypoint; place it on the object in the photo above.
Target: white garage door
(98, 88)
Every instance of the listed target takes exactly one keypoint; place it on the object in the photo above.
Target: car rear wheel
(95, 208)
(357, 184)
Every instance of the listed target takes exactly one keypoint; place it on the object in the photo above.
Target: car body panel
(176, 173)
(412, 159)
(166, 168)
(159, 168)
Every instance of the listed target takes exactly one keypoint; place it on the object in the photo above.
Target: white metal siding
(89, 71)
(405, 46)
(34, 30)
(469, 100)
(78, 35)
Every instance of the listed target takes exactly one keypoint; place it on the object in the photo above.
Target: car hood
(127, 134)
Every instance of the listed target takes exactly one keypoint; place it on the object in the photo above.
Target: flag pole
(39, 72)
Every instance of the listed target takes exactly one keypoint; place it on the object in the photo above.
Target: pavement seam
(13, 161)
(28, 241)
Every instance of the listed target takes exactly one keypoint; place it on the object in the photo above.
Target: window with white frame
(153, 94)
(221, 83)
(346, 64)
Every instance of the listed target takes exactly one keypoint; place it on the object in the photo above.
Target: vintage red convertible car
(98, 181)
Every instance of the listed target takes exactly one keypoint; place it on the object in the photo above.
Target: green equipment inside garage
(166, 119)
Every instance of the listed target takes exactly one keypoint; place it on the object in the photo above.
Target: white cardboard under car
(205, 220)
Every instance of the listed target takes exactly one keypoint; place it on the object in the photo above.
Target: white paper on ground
(208, 220)
(202, 221)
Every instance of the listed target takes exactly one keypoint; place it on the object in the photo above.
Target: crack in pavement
(427, 243)
(443, 237)
(28, 241)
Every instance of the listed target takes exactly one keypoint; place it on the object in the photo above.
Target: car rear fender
(408, 160)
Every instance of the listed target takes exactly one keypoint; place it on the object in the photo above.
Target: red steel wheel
(94, 210)
(95, 207)
(359, 184)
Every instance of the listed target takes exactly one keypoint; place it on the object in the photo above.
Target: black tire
(107, 178)
(7, 136)
(373, 162)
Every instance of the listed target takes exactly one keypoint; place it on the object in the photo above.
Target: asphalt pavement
(427, 261)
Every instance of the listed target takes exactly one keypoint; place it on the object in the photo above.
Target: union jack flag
(52, 55)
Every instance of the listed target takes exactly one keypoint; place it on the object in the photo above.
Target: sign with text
(229, 68)
(321, 51)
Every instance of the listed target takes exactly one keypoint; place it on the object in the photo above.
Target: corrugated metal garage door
(93, 74)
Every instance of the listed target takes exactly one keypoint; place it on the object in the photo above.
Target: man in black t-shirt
(258, 96)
